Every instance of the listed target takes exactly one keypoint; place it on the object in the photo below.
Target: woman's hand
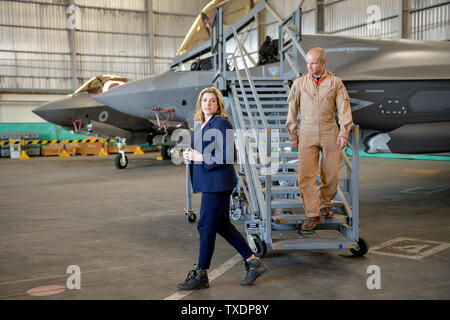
(192, 155)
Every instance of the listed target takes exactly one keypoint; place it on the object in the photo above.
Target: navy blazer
(216, 142)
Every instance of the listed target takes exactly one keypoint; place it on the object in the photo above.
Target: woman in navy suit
(213, 154)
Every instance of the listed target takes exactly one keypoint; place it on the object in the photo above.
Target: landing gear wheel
(261, 247)
(361, 249)
(165, 152)
(121, 163)
(191, 217)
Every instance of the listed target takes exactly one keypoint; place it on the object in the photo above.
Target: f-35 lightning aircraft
(82, 114)
(399, 89)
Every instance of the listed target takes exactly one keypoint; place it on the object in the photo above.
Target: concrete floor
(126, 231)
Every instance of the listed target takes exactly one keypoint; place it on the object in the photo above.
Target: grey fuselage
(391, 82)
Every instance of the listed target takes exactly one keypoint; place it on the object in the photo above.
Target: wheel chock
(139, 151)
(64, 154)
(23, 155)
(102, 152)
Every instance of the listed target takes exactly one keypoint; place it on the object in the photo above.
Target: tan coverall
(318, 133)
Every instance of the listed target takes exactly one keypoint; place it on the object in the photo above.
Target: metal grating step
(281, 135)
(280, 95)
(286, 204)
(262, 89)
(272, 126)
(281, 165)
(267, 102)
(292, 155)
(268, 118)
(289, 176)
(266, 110)
(275, 144)
(301, 218)
(312, 243)
(276, 190)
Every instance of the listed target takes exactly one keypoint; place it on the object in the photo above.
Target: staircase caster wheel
(191, 217)
(261, 247)
(361, 249)
(121, 163)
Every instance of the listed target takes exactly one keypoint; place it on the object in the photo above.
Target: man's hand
(294, 143)
(342, 142)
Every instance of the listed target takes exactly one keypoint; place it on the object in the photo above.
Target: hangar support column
(404, 19)
(320, 18)
(73, 23)
(150, 37)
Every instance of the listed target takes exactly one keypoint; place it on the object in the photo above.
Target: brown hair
(199, 116)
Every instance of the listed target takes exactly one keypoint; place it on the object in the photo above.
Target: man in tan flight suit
(317, 95)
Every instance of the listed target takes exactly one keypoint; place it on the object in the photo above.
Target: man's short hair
(322, 53)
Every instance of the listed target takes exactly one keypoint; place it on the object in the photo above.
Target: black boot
(196, 279)
(255, 268)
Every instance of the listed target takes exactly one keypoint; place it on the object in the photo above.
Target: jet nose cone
(132, 98)
(49, 111)
(58, 111)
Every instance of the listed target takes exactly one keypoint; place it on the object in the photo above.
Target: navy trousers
(214, 218)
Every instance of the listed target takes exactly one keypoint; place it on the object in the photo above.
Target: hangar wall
(41, 59)
(49, 47)
(112, 37)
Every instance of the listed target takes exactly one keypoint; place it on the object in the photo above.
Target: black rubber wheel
(261, 247)
(119, 162)
(191, 217)
(165, 152)
(362, 248)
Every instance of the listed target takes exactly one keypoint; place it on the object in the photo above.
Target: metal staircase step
(266, 110)
(288, 176)
(276, 190)
(260, 78)
(281, 135)
(285, 155)
(272, 126)
(267, 102)
(281, 95)
(282, 166)
(286, 204)
(263, 82)
(262, 89)
(301, 218)
(312, 243)
(288, 155)
(271, 118)
(283, 144)
(275, 144)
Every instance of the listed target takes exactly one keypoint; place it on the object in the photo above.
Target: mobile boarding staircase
(267, 197)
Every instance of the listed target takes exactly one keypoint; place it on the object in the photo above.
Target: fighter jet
(80, 113)
(399, 89)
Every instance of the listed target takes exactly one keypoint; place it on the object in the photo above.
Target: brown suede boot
(311, 223)
(326, 213)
